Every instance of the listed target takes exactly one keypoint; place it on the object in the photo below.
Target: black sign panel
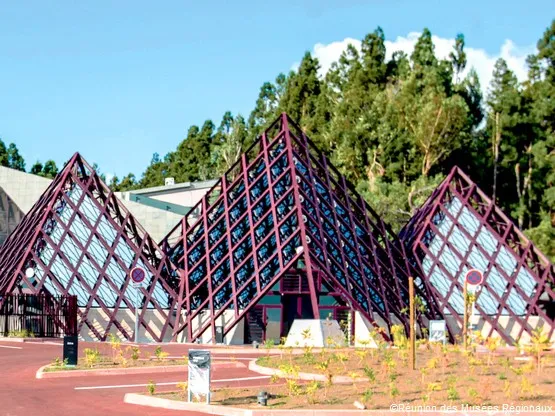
(200, 359)
(71, 349)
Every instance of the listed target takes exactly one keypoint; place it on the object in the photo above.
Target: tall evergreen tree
(15, 160)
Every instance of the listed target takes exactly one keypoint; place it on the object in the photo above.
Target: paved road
(21, 394)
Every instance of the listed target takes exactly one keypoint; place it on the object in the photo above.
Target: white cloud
(109, 177)
(477, 58)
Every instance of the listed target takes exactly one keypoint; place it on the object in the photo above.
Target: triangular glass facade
(79, 239)
(459, 228)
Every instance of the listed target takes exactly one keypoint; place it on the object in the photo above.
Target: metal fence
(38, 315)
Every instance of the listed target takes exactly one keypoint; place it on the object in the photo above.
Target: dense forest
(395, 128)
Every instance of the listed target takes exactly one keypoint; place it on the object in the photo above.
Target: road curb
(144, 400)
(33, 340)
(267, 371)
(41, 374)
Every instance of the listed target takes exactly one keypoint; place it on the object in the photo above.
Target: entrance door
(255, 325)
(295, 307)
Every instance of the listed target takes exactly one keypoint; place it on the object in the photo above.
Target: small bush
(92, 357)
(151, 387)
(183, 388)
(453, 394)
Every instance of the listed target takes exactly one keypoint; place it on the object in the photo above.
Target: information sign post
(138, 275)
(199, 375)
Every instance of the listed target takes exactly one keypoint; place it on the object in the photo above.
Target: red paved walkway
(21, 394)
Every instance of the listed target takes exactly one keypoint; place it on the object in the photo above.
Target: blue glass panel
(487, 241)
(469, 222)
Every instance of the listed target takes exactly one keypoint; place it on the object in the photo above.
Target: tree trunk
(520, 194)
(529, 186)
(496, 142)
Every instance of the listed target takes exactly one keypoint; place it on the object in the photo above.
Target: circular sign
(474, 277)
(30, 272)
(138, 274)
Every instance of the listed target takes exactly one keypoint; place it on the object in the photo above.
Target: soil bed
(108, 363)
(383, 377)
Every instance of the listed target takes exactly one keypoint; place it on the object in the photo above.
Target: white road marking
(123, 386)
(43, 343)
(177, 357)
(15, 348)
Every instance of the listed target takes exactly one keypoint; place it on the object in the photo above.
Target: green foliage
(399, 338)
(395, 127)
(369, 373)
(23, 333)
(135, 353)
(453, 394)
(161, 355)
(92, 357)
(151, 387)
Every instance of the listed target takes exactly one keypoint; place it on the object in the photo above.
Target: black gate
(38, 315)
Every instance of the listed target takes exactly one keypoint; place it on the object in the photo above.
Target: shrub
(293, 387)
(399, 337)
(369, 373)
(367, 395)
(183, 388)
(161, 355)
(393, 390)
(151, 387)
(473, 393)
(538, 343)
(311, 390)
(92, 357)
(452, 394)
(135, 353)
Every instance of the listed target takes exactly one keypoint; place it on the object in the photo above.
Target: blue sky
(120, 80)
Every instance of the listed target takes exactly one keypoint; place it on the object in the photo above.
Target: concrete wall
(99, 320)
(23, 188)
(157, 223)
(510, 325)
(186, 198)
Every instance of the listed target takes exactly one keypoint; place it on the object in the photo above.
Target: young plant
(367, 395)
(161, 355)
(183, 388)
(135, 354)
(92, 357)
(393, 390)
(342, 358)
(492, 344)
(354, 376)
(473, 393)
(526, 388)
(507, 389)
(369, 373)
(115, 343)
(452, 394)
(538, 343)
(399, 337)
(293, 387)
(151, 387)
(311, 390)
(361, 354)
(308, 355)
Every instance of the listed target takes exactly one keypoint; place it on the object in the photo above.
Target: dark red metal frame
(33, 235)
(422, 230)
(39, 315)
(283, 203)
(340, 239)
